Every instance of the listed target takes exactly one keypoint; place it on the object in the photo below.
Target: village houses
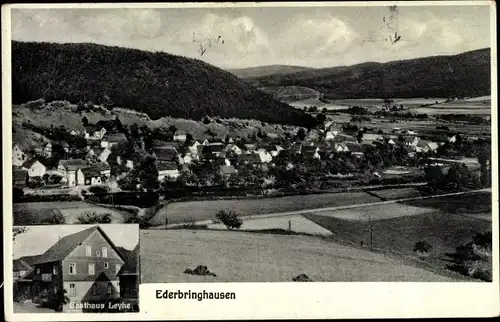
(68, 169)
(35, 168)
(18, 156)
(167, 171)
(92, 132)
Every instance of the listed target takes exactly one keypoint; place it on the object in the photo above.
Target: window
(72, 290)
(38, 271)
(110, 288)
(106, 265)
(91, 268)
(72, 268)
(55, 269)
(88, 250)
(97, 253)
(95, 289)
(117, 268)
(104, 252)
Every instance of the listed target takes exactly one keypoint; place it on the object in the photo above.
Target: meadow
(253, 257)
(444, 223)
(32, 213)
(177, 212)
(297, 224)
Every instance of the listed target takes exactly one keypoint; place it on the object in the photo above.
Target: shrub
(189, 223)
(206, 120)
(17, 194)
(56, 219)
(422, 247)
(99, 189)
(230, 219)
(93, 218)
(143, 224)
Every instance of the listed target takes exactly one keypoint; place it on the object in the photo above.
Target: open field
(445, 224)
(479, 202)
(376, 212)
(253, 257)
(35, 212)
(177, 212)
(298, 224)
(426, 127)
(443, 231)
(477, 106)
(391, 194)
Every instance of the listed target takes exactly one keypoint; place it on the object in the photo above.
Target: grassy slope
(466, 74)
(453, 222)
(32, 213)
(253, 257)
(158, 84)
(72, 120)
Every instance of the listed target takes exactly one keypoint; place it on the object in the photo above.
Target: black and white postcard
(263, 151)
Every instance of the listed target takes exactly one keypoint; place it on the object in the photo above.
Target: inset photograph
(76, 268)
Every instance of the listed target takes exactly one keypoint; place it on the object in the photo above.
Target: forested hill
(466, 74)
(158, 84)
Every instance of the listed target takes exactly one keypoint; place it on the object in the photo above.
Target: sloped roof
(101, 166)
(213, 148)
(309, 149)
(131, 258)
(422, 143)
(30, 259)
(251, 158)
(165, 154)
(354, 147)
(432, 145)
(29, 163)
(116, 137)
(91, 128)
(166, 166)
(67, 244)
(250, 146)
(227, 169)
(20, 265)
(91, 172)
(73, 164)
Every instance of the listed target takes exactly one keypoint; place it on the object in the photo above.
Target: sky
(304, 36)
(37, 239)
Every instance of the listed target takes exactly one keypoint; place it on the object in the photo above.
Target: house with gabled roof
(88, 176)
(93, 132)
(250, 158)
(355, 148)
(18, 155)
(233, 148)
(111, 139)
(212, 150)
(85, 264)
(101, 154)
(68, 169)
(167, 170)
(35, 168)
(310, 152)
(166, 154)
